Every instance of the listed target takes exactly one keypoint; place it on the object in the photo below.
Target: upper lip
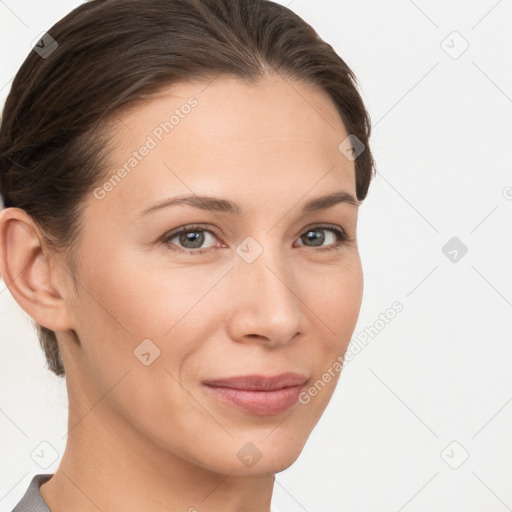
(259, 382)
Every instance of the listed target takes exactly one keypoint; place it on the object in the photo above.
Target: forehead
(229, 135)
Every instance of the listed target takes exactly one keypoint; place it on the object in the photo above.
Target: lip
(258, 394)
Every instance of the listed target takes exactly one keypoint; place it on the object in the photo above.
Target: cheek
(137, 299)
(335, 297)
(343, 302)
(138, 327)
(146, 320)
(337, 305)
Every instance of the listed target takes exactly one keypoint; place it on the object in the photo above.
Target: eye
(316, 235)
(190, 239)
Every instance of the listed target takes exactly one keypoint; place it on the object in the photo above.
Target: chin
(246, 455)
(261, 455)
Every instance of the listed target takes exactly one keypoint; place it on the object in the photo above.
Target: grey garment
(32, 500)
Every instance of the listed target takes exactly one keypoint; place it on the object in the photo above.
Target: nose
(265, 304)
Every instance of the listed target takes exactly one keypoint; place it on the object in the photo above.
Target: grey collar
(32, 500)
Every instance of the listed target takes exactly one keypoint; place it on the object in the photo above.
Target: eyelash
(342, 238)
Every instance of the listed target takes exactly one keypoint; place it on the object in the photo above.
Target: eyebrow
(225, 206)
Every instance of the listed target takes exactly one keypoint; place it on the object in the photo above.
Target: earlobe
(25, 269)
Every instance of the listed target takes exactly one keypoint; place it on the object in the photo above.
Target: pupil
(317, 237)
(195, 237)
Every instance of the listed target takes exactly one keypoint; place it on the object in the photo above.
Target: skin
(151, 437)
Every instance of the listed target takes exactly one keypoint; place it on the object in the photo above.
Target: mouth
(257, 394)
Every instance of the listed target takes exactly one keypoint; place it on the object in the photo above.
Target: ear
(25, 268)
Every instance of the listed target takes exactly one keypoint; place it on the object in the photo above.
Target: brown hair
(105, 55)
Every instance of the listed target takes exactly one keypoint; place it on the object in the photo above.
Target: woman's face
(247, 292)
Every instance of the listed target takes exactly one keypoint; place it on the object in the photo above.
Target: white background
(441, 370)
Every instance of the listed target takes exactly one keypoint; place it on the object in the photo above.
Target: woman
(181, 182)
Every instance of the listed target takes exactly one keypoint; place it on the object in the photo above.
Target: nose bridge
(265, 262)
(267, 303)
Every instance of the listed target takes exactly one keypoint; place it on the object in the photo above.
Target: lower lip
(260, 403)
